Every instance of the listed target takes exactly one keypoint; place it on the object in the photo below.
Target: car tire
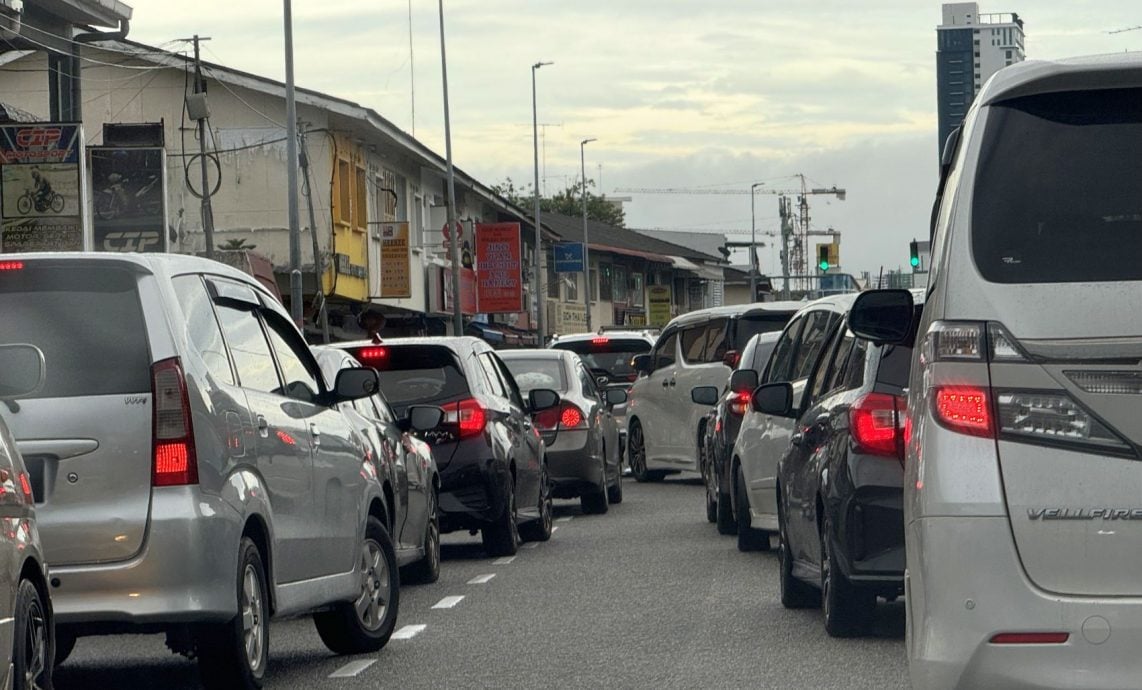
(707, 480)
(795, 594)
(235, 654)
(540, 530)
(847, 609)
(749, 539)
(366, 623)
(595, 502)
(32, 652)
(427, 570)
(637, 458)
(615, 491)
(64, 644)
(501, 538)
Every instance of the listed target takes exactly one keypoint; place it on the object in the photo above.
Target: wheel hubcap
(35, 647)
(374, 599)
(433, 546)
(638, 462)
(253, 626)
(826, 575)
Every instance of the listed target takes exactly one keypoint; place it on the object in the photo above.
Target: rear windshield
(538, 373)
(751, 325)
(612, 355)
(415, 374)
(88, 322)
(1057, 197)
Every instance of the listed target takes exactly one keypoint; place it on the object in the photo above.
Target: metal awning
(701, 270)
(659, 258)
(93, 12)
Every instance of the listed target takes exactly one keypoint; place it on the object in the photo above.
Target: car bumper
(872, 528)
(572, 468)
(965, 584)
(473, 494)
(184, 573)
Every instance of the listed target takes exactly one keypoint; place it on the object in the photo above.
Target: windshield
(538, 373)
(608, 355)
(415, 374)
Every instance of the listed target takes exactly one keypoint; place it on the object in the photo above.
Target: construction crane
(1122, 31)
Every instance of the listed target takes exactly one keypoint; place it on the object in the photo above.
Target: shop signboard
(129, 199)
(499, 268)
(42, 190)
(568, 257)
(659, 312)
(467, 291)
(396, 258)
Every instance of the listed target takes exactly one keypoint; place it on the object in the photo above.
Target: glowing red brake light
(373, 356)
(571, 416)
(739, 403)
(965, 409)
(874, 423)
(600, 341)
(11, 265)
(469, 415)
(566, 416)
(175, 463)
(26, 487)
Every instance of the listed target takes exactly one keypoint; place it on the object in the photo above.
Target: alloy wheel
(375, 595)
(253, 625)
(826, 575)
(35, 646)
(432, 541)
(637, 451)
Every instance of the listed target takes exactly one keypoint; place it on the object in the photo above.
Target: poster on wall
(499, 282)
(468, 301)
(41, 187)
(128, 199)
(659, 312)
(396, 274)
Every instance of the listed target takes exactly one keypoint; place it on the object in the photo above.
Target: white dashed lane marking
(530, 545)
(408, 632)
(564, 519)
(506, 560)
(554, 529)
(448, 602)
(353, 668)
(481, 579)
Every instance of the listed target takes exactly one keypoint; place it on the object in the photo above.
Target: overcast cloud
(679, 93)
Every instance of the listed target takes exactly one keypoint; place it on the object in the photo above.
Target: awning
(659, 258)
(701, 270)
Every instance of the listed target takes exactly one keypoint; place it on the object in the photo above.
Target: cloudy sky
(679, 93)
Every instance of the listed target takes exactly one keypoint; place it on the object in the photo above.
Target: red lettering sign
(499, 283)
(38, 137)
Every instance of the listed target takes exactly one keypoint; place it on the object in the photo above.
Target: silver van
(191, 471)
(1023, 471)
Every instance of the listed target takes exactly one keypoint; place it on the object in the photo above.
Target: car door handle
(315, 433)
(263, 427)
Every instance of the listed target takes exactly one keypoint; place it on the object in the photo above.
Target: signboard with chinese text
(42, 195)
(498, 268)
(396, 273)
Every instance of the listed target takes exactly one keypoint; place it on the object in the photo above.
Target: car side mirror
(705, 395)
(540, 399)
(615, 396)
(423, 418)
(22, 370)
(774, 398)
(354, 383)
(641, 364)
(882, 316)
(743, 380)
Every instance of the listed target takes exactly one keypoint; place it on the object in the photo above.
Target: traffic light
(914, 254)
(823, 257)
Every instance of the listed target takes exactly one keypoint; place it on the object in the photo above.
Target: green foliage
(236, 245)
(569, 202)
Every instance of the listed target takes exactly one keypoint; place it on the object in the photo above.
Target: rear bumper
(872, 529)
(185, 572)
(572, 469)
(965, 584)
(473, 493)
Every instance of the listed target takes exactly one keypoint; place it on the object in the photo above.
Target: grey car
(581, 434)
(191, 471)
(26, 626)
(406, 469)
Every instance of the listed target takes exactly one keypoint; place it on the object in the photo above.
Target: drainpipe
(74, 81)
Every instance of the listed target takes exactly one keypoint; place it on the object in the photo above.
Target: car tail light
(26, 488)
(875, 424)
(600, 341)
(175, 463)
(469, 415)
(739, 403)
(11, 265)
(1054, 417)
(566, 416)
(1030, 638)
(964, 409)
(373, 356)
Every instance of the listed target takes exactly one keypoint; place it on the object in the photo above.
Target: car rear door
(651, 396)
(529, 445)
(699, 344)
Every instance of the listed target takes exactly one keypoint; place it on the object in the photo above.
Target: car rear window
(612, 355)
(414, 374)
(538, 373)
(88, 322)
(750, 325)
(1056, 195)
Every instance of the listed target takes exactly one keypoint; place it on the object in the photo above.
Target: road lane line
(408, 632)
(530, 545)
(564, 519)
(481, 579)
(555, 529)
(448, 602)
(352, 668)
(506, 560)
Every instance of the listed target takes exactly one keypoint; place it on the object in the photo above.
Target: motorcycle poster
(128, 199)
(41, 191)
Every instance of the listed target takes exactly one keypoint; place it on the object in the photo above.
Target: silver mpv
(191, 471)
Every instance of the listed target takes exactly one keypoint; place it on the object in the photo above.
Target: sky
(714, 94)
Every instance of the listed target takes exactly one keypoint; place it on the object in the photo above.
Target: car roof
(464, 343)
(634, 334)
(842, 303)
(535, 353)
(755, 308)
(1031, 77)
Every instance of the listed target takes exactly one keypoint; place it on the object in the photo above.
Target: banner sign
(396, 257)
(129, 198)
(467, 291)
(659, 312)
(568, 257)
(499, 268)
(42, 187)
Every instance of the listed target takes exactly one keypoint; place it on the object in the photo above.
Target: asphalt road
(646, 596)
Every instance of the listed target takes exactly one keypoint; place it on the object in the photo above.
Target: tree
(236, 245)
(567, 202)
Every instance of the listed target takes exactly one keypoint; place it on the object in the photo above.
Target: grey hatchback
(191, 471)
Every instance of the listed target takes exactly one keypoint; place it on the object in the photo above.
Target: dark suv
(839, 483)
(493, 474)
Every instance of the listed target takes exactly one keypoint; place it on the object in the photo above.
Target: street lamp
(457, 313)
(586, 251)
(753, 242)
(538, 264)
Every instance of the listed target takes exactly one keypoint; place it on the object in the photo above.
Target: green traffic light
(824, 265)
(915, 261)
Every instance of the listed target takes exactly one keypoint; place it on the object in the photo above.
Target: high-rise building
(970, 47)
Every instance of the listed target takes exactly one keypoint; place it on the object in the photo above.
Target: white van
(695, 350)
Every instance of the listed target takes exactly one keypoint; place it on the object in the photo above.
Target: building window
(553, 278)
(636, 290)
(606, 276)
(571, 280)
(345, 191)
(620, 287)
(360, 192)
(1009, 55)
(593, 285)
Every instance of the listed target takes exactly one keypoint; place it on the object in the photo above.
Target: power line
(244, 102)
(140, 68)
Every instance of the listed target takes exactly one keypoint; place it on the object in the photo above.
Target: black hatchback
(489, 453)
(840, 482)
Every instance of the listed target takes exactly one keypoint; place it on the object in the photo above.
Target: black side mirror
(775, 399)
(705, 395)
(354, 383)
(22, 370)
(743, 380)
(541, 399)
(882, 316)
(424, 417)
(615, 396)
(641, 364)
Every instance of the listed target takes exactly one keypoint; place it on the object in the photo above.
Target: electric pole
(295, 298)
(320, 313)
(207, 211)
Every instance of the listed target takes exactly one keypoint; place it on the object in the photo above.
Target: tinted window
(538, 373)
(420, 374)
(841, 362)
(1057, 196)
(749, 326)
(495, 381)
(821, 371)
(854, 374)
(693, 342)
(664, 351)
(509, 382)
(612, 355)
(783, 353)
(249, 349)
(202, 326)
(717, 340)
(68, 312)
(762, 353)
(300, 380)
(587, 383)
(816, 332)
(895, 365)
(747, 355)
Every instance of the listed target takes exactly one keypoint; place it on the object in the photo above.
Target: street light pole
(454, 234)
(753, 242)
(295, 298)
(586, 244)
(538, 265)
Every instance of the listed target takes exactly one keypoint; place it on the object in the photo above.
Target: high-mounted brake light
(1030, 638)
(600, 341)
(373, 356)
(11, 265)
(965, 409)
(469, 415)
(175, 463)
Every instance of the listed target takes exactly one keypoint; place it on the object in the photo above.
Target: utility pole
(207, 211)
(320, 313)
(754, 269)
(457, 314)
(586, 244)
(295, 306)
(538, 266)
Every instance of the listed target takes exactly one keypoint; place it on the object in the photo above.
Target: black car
(839, 484)
(721, 429)
(489, 453)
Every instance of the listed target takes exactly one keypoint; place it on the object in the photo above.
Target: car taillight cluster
(739, 403)
(566, 416)
(875, 424)
(468, 415)
(175, 463)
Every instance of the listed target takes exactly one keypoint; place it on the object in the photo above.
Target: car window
(693, 343)
(747, 355)
(297, 366)
(748, 326)
(762, 353)
(202, 326)
(779, 363)
(384, 412)
(612, 355)
(815, 334)
(840, 364)
(820, 368)
(854, 374)
(540, 372)
(586, 382)
(419, 374)
(509, 382)
(495, 383)
(717, 340)
(248, 346)
(664, 351)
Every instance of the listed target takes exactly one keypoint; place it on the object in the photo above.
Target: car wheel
(32, 651)
(637, 452)
(366, 623)
(502, 537)
(595, 502)
(615, 491)
(749, 539)
(540, 530)
(708, 480)
(847, 609)
(427, 569)
(795, 594)
(235, 654)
